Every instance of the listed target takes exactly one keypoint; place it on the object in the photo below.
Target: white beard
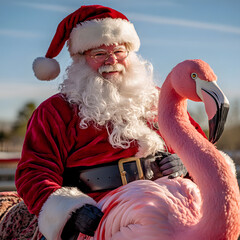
(121, 105)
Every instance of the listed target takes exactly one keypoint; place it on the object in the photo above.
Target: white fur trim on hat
(94, 33)
(46, 68)
(57, 210)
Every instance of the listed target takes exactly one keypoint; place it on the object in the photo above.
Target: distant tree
(3, 136)
(19, 126)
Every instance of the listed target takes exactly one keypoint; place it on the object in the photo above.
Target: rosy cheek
(92, 64)
(125, 63)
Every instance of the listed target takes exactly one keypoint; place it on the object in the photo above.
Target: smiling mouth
(111, 72)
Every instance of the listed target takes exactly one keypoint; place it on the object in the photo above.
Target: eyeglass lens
(102, 55)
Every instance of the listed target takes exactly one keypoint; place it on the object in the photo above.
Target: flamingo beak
(216, 106)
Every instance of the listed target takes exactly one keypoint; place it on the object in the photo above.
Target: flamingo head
(195, 80)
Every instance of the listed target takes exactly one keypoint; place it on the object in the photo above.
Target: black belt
(110, 176)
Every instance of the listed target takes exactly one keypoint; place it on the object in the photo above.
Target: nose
(111, 60)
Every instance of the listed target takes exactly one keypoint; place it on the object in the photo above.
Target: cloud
(19, 33)
(144, 17)
(183, 23)
(47, 7)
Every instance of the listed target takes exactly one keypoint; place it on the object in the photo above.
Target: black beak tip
(217, 123)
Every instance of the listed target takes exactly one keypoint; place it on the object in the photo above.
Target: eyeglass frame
(108, 54)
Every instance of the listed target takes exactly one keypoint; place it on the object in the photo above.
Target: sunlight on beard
(121, 105)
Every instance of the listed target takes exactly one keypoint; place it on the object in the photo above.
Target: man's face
(104, 56)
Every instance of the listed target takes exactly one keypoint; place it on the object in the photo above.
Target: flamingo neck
(203, 161)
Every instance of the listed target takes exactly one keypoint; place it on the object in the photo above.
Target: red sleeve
(197, 126)
(39, 172)
(54, 141)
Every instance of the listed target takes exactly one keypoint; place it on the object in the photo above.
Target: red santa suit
(55, 141)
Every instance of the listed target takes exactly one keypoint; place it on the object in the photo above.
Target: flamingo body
(207, 208)
(149, 209)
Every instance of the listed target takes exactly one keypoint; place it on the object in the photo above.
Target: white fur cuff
(57, 210)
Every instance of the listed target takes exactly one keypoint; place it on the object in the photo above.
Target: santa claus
(99, 132)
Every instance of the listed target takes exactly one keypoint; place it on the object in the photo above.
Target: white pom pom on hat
(46, 69)
(88, 27)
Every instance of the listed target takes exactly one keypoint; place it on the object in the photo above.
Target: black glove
(84, 220)
(171, 165)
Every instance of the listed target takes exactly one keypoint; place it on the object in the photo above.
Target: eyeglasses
(101, 55)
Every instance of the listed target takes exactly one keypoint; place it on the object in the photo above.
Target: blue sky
(170, 32)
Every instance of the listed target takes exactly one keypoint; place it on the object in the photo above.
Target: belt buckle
(123, 172)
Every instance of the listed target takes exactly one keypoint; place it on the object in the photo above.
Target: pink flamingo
(207, 208)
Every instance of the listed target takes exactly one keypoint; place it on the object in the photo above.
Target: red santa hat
(88, 27)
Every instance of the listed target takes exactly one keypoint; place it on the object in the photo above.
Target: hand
(84, 220)
(171, 165)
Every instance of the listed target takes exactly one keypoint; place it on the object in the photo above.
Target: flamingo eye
(193, 75)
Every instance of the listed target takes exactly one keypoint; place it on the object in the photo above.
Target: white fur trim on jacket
(94, 33)
(57, 210)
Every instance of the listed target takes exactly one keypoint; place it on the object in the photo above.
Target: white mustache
(111, 68)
